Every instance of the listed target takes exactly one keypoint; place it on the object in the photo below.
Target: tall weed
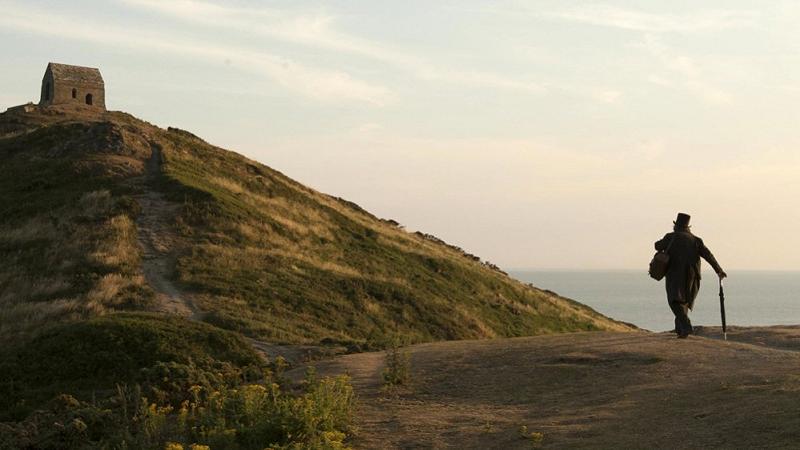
(398, 367)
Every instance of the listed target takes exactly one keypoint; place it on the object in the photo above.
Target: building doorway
(88, 99)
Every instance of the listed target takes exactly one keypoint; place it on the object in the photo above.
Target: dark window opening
(88, 99)
(74, 93)
(47, 91)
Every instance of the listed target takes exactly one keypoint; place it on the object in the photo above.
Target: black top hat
(682, 221)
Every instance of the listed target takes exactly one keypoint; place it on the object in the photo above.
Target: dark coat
(683, 273)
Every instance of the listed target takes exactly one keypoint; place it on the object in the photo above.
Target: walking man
(683, 273)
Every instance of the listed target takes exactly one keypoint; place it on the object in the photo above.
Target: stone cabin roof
(76, 74)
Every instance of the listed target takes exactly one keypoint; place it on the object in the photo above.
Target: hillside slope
(103, 212)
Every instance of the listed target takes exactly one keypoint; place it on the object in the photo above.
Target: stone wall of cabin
(47, 89)
(61, 93)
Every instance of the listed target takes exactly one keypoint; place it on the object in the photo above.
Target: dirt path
(587, 390)
(157, 239)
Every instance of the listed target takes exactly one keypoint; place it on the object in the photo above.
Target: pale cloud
(313, 28)
(788, 88)
(649, 150)
(478, 168)
(607, 95)
(598, 94)
(312, 82)
(316, 29)
(478, 79)
(661, 81)
(627, 19)
(367, 130)
(681, 71)
(685, 71)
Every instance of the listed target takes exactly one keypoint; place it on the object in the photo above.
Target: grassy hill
(135, 263)
(245, 247)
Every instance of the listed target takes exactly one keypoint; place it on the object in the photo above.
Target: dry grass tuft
(120, 247)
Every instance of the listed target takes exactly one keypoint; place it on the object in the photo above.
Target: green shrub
(145, 381)
(165, 354)
(249, 416)
(252, 416)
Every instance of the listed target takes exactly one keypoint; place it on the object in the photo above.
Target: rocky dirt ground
(587, 390)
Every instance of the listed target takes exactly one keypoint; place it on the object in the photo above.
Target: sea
(752, 298)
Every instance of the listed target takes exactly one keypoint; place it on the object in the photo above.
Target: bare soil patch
(587, 390)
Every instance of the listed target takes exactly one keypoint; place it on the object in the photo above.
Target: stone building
(65, 84)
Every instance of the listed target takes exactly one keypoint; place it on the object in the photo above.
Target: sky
(536, 134)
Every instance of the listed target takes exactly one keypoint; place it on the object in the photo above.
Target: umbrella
(722, 309)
